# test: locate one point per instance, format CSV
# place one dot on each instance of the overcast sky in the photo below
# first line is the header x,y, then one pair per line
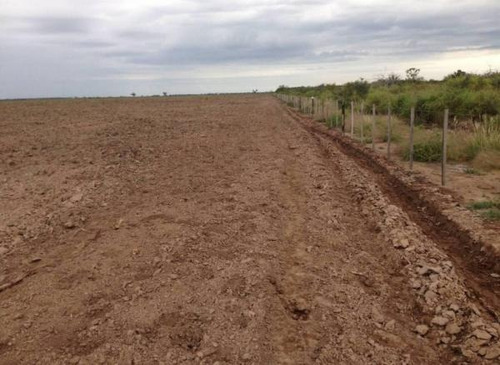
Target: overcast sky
x,y
115,47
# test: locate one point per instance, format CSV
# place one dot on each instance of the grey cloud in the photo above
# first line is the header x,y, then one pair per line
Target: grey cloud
x,y
249,33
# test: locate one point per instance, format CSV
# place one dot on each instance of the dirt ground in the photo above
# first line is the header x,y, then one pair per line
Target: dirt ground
x,y
468,187
223,230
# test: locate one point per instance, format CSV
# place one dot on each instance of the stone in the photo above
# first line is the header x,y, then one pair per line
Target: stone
x,y
492,331
76,198
445,340
69,225
440,321
482,335
492,353
416,284
377,316
430,295
449,314
454,307
401,243
453,329
389,326
422,329
427,270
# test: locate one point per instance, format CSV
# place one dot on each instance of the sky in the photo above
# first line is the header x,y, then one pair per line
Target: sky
x,y
57,48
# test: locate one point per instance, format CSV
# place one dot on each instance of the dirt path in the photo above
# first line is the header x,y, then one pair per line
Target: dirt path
x,y
218,230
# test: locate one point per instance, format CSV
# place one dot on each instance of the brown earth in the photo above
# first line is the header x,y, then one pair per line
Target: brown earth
x,y
228,230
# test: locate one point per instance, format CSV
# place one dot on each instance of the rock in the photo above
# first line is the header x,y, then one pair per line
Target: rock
x,y
492,331
445,340
174,276
246,356
69,225
482,351
453,329
377,316
76,198
477,324
389,326
118,223
440,321
449,314
35,259
422,329
416,284
475,309
454,307
401,243
492,353
430,296
482,335
427,270
494,275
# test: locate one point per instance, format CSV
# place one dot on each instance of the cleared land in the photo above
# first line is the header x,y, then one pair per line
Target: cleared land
x,y
227,230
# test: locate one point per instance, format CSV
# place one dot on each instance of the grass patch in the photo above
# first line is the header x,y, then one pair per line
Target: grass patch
x,y
472,171
485,204
487,209
491,214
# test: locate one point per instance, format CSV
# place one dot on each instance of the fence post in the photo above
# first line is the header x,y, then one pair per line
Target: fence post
x,y
389,133
412,124
337,113
373,126
443,161
352,119
362,121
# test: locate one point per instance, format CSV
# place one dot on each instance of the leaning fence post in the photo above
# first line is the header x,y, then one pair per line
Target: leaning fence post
x,y
352,119
389,133
373,126
443,160
412,124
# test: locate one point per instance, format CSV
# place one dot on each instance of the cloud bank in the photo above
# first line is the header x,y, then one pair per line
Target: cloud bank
x,y
55,48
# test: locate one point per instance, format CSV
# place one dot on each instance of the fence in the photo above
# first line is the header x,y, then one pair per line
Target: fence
x,y
333,113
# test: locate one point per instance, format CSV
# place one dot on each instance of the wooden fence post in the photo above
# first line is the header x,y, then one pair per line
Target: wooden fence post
x,y
443,160
389,133
337,113
361,114
373,126
412,125
352,119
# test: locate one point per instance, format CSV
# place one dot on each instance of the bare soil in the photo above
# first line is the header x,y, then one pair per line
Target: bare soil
x,y
468,187
228,230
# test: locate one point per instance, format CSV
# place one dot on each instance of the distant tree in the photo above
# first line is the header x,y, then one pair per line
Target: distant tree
x,y
255,91
165,93
412,74
458,73
389,79
281,88
133,94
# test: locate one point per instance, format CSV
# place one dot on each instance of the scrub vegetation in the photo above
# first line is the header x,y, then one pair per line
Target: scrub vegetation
x,y
472,99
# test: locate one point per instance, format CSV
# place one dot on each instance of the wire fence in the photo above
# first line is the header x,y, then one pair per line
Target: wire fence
x,y
336,114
